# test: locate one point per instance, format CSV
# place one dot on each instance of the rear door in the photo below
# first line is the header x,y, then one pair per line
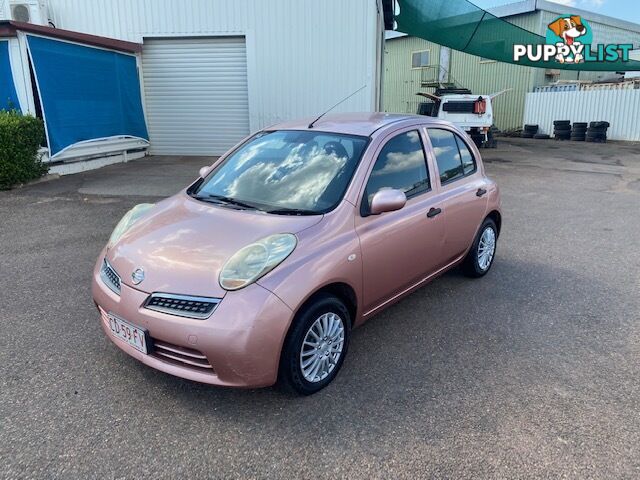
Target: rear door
x,y
463,188
399,248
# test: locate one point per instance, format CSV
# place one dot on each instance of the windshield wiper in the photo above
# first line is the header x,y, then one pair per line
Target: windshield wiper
x,y
292,211
221,199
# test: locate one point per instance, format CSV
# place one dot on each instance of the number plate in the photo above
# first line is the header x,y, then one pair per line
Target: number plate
x,y
134,336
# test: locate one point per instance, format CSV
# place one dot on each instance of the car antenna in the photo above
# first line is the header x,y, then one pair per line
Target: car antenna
x,y
340,102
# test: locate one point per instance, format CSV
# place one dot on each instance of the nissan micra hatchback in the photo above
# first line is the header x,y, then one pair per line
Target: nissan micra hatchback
x,y
259,270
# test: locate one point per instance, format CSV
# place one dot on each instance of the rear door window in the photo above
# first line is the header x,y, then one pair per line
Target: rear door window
x,y
453,157
468,162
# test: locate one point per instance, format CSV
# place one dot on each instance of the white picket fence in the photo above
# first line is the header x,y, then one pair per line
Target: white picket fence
x,y
621,108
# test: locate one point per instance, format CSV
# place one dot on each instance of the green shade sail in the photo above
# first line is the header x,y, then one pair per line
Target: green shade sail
x,y
461,25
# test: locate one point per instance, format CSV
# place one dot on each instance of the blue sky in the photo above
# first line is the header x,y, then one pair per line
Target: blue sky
x,y
625,9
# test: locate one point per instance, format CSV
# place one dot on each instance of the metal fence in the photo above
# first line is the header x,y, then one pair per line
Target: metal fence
x,y
570,87
611,86
618,107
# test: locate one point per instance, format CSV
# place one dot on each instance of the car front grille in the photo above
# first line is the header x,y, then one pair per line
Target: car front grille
x,y
181,356
110,277
182,305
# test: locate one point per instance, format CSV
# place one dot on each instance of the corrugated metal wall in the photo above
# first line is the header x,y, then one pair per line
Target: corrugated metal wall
x,y
401,82
302,55
618,107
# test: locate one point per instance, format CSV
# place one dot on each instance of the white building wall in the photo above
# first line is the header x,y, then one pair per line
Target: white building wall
x,y
618,107
303,56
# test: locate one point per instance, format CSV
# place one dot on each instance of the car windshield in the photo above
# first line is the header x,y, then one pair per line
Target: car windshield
x,y
286,172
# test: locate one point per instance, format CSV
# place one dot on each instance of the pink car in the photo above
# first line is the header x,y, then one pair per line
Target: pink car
x,y
259,271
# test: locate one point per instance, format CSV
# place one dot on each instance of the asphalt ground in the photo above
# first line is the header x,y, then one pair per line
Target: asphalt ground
x,y
532,371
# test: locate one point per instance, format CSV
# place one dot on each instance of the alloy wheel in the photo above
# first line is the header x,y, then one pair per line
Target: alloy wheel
x,y
486,248
322,347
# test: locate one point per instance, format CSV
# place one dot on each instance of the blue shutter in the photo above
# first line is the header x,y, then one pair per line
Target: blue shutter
x,y
8,95
87,93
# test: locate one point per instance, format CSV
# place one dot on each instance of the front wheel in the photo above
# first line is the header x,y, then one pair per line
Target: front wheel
x,y
480,258
316,346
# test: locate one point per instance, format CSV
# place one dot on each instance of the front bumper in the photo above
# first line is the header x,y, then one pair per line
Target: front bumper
x,y
241,340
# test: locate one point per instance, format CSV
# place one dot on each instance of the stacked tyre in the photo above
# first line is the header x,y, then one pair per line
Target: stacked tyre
x,y
529,131
597,132
562,129
579,132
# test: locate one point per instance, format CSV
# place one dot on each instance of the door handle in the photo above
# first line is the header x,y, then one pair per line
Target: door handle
x,y
434,212
481,192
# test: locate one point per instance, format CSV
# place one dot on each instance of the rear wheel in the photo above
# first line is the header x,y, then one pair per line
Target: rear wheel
x,y
315,348
480,258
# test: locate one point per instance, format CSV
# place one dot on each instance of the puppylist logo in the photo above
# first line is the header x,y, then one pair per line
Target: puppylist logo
x,y
570,40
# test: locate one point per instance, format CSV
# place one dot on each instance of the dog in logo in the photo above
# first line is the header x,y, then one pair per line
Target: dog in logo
x,y
569,29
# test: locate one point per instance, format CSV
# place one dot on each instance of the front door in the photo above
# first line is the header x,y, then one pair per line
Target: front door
x,y
399,248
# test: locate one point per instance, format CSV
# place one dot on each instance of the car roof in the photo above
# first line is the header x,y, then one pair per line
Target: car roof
x,y
363,124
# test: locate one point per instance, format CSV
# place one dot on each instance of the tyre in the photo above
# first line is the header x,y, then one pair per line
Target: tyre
x,y
598,135
581,125
478,140
578,139
316,345
491,140
480,258
561,123
562,128
531,128
541,136
599,125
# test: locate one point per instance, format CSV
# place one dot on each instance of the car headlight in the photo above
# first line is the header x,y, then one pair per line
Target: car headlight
x,y
131,217
256,260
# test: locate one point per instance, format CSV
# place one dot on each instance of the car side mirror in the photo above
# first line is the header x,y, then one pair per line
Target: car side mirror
x,y
387,201
204,170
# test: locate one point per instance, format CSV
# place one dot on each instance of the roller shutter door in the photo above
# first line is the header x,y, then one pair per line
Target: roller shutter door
x,y
195,94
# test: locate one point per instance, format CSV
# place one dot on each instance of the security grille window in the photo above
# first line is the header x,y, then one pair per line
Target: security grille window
x,y
453,157
420,59
401,165
459,107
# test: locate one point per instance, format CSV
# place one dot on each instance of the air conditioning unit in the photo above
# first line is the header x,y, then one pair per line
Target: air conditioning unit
x,y
29,11
551,72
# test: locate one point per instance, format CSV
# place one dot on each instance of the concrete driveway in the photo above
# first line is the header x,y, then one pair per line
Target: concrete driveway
x,y
532,371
